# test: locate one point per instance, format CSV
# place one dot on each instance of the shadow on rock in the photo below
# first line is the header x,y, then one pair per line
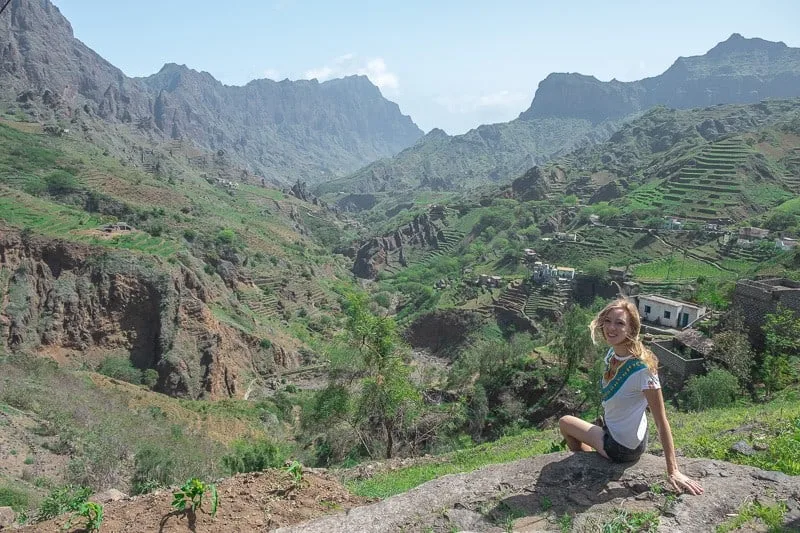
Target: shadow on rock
x,y
570,486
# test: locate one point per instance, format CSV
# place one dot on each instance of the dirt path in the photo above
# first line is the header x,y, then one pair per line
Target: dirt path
x,y
536,494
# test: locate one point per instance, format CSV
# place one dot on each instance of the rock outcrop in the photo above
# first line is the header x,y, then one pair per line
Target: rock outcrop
x,y
389,250
532,494
65,299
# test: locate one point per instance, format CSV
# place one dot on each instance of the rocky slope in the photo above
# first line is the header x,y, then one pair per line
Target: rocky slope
x,y
77,304
572,109
281,130
533,494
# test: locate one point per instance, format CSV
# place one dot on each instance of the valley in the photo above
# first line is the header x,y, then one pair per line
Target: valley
x,y
288,292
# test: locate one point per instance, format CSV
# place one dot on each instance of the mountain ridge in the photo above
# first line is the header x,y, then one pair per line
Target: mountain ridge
x,y
283,131
571,109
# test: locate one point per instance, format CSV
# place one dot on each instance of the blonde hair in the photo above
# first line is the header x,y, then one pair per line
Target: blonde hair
x,y
635,346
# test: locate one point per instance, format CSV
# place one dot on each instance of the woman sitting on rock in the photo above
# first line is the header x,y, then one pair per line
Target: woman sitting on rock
x,y
629,385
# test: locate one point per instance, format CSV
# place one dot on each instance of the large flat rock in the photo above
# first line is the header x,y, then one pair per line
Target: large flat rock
x,y
534,494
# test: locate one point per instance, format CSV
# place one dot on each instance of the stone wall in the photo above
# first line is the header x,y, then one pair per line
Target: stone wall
x,y
675,363
756,299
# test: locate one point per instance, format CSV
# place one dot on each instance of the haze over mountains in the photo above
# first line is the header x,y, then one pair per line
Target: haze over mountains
x,y
281,130
570,109
316,132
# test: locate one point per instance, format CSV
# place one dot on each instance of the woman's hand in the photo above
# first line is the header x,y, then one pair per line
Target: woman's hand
x,y
681,482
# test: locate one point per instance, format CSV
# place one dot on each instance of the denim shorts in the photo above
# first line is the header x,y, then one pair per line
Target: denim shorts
x,y
619,453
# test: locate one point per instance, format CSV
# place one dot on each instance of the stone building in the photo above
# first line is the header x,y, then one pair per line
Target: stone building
x,y
684,355
668,312
757,298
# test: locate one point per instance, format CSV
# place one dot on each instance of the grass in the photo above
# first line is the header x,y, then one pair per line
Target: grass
x,y
680,268
632,522
704,434
504,450
771,515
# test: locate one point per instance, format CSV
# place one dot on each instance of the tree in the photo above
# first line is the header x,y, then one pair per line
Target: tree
x,y
575,344
781,346
383,394
732,349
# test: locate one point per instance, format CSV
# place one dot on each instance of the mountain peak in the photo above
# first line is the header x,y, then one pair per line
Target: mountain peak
x,y
737,43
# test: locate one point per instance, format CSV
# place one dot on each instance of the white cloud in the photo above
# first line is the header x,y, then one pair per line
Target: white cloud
x,y
470,103
374,68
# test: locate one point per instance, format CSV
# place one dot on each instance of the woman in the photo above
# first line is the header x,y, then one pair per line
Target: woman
x,y
630,384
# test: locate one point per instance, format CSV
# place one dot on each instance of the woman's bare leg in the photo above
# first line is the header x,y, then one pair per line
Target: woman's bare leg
x,y
581,435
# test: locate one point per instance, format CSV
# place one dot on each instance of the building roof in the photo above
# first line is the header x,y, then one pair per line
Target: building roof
x,y
668,301
695,340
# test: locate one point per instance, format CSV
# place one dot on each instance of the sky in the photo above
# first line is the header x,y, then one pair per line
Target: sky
x,y
448,64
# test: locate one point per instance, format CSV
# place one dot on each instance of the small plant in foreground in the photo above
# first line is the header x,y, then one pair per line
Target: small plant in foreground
x,y
62,500
91,512
565,523
295,469
191,494
626,522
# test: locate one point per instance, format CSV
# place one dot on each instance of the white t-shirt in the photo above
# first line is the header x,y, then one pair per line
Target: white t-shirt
x,y
625,410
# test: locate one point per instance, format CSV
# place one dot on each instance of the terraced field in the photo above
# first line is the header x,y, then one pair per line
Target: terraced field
x,y
75,225
705,190
546,302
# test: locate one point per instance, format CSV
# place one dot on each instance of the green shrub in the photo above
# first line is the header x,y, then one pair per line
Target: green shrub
x,y
153,468
60,182
120,368
718,388
226,236
14,498
150,377
62,500
253,456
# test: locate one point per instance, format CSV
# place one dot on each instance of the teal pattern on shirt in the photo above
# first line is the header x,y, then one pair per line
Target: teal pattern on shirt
x,y
628,368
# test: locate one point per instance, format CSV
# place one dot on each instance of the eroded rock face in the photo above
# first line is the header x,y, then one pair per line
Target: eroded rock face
x,y
531,494
63,299
380,252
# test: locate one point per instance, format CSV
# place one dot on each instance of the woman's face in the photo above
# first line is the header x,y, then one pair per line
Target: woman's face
x,y
616,327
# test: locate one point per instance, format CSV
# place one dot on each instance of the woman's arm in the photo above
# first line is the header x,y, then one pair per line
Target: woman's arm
x,y
678,480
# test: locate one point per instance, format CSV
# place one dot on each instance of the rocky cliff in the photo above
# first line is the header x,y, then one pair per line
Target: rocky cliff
x,y
738,70
78,304
391,251
282,130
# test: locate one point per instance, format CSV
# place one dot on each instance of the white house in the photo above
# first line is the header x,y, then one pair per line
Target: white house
x,y
668,312
786,243
565,273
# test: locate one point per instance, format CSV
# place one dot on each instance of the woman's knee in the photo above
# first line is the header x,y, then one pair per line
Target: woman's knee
x,y
565,423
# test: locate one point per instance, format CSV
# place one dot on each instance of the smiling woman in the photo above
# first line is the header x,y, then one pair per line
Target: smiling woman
x,y
629,386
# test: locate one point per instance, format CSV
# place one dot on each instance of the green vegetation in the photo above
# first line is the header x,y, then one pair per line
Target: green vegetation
x,y
62,500
90,513
771,515
295,469
632,522
17,499
253,455
190,496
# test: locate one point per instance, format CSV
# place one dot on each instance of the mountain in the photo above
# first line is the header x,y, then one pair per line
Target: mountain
x,y
572,109
282,130
737,70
